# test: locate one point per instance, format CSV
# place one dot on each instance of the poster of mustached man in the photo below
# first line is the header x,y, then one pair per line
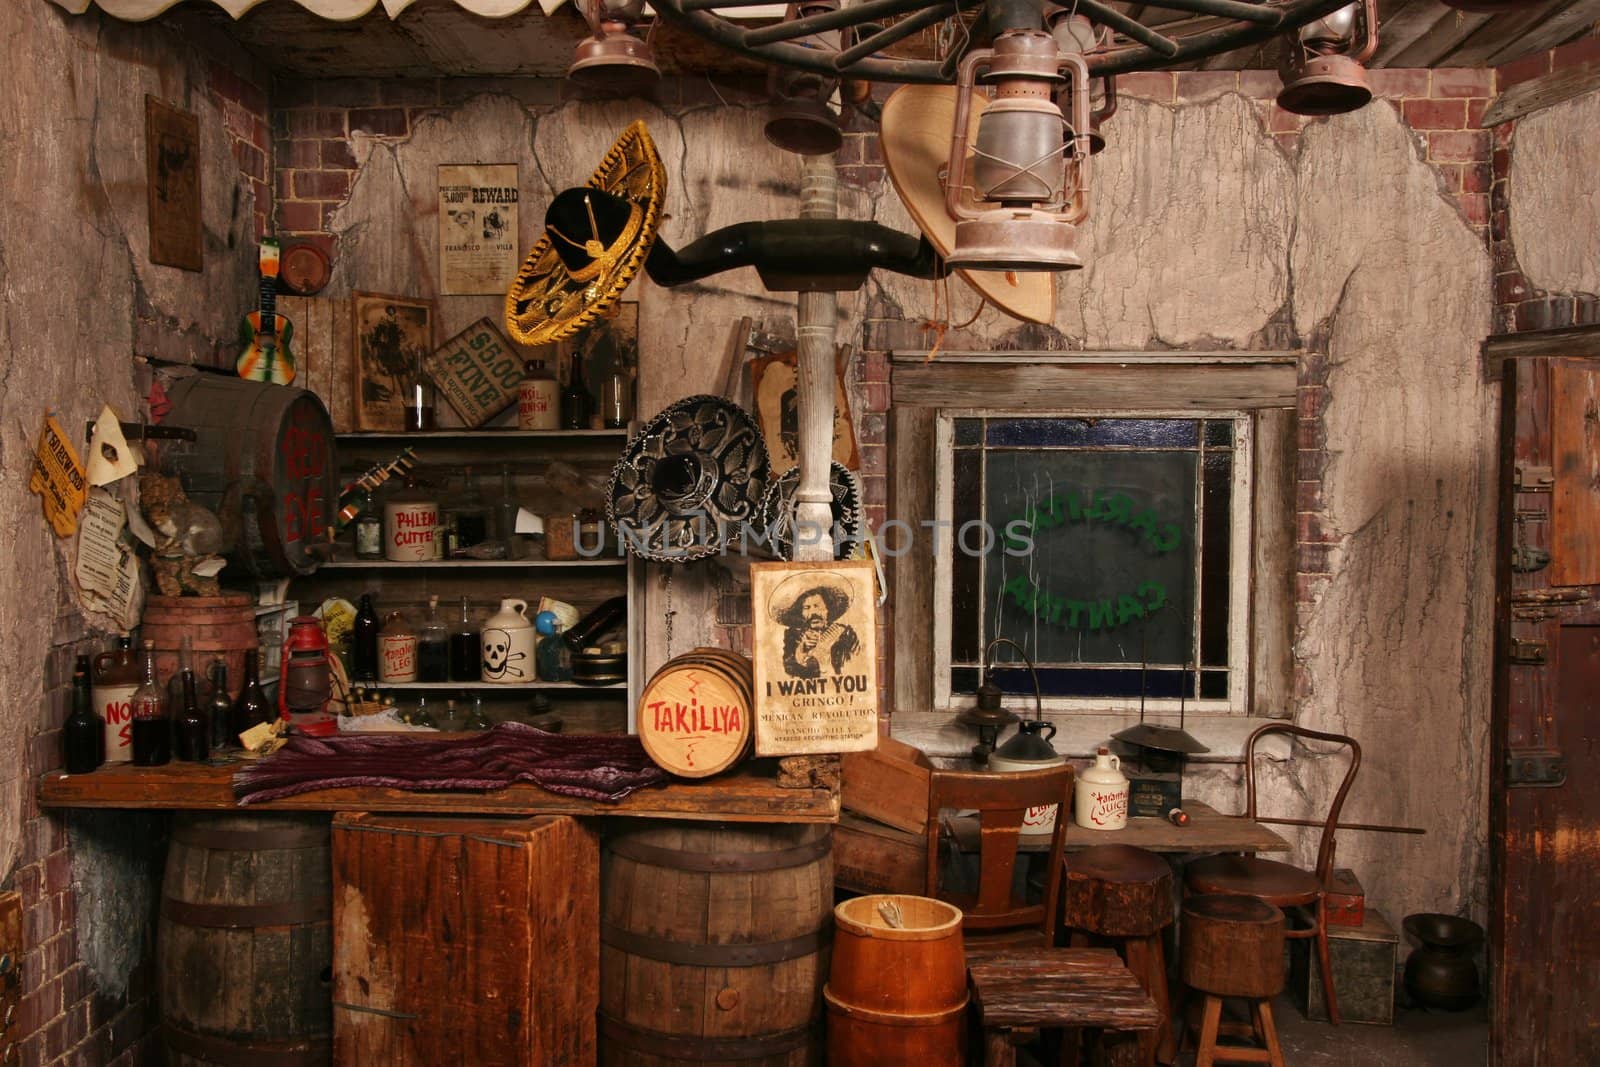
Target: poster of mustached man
x,y
816,657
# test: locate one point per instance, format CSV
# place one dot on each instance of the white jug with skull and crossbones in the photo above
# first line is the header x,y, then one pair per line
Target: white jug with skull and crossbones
x,y
507,642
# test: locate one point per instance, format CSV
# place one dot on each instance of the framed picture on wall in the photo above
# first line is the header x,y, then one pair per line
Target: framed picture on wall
x,y
391,336
773,382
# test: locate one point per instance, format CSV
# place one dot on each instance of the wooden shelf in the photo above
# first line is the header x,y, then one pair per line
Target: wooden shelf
x,y
495,687
749,793
468,564
448,436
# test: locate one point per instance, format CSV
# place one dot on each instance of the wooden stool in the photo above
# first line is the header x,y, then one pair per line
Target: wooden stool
x,y
1124,894
1020,992
1233,947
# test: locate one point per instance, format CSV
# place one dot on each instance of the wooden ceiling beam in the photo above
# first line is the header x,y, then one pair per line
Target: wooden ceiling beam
x,y
1403,27
1445,37
1558,29
1474,51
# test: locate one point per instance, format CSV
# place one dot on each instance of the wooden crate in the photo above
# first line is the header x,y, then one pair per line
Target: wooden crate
x,y
321,349
1363,960
465,940
869,857
888,784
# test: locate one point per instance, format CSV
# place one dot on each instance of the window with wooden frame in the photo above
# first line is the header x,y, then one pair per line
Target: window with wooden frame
x,y
1114,548
1153,482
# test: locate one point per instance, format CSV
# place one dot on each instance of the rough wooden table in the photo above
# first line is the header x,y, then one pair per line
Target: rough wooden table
x,y
750,793
1208,831
1025,990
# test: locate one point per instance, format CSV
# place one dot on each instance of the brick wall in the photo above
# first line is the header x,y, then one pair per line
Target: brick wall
x,y
1519,306
244,115
65,1019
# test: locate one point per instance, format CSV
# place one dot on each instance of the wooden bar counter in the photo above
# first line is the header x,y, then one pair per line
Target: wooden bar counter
x,y
748,794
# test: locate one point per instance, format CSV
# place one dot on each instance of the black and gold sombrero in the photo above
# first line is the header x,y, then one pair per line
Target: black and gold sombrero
x,y
592,246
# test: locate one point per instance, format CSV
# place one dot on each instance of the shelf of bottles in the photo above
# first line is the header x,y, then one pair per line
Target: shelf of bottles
x,y
470,564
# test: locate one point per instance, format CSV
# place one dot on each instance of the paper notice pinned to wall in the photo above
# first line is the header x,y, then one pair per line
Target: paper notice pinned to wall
x,y
107,570
477,228
58,478
110,458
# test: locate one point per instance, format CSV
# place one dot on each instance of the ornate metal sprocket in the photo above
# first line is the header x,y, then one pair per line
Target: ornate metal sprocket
x,y
1216,26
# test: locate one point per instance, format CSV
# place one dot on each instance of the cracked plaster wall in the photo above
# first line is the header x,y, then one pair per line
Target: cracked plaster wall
x,y
1204,232
78,299
1554,200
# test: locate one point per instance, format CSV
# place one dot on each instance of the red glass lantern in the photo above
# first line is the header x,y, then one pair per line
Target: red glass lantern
x,y
305,679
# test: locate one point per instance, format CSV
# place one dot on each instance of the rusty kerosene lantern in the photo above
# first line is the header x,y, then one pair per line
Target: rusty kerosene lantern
x,y
1029,169
1155,777
1323,68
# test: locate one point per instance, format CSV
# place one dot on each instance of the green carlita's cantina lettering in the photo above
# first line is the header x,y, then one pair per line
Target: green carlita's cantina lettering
x,y
1113,509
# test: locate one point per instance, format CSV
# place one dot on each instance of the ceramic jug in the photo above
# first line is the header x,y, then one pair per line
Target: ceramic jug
x,y
507,643
1100,800
1030,750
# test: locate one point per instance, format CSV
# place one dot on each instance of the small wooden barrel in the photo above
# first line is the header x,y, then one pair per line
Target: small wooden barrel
x,y
263,461
897,995
215,625
244,947
1232,946
694,714
713,943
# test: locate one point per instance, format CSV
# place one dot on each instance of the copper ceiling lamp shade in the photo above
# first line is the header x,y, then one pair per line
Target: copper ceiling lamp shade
x,y
1323,68
799,119
612,60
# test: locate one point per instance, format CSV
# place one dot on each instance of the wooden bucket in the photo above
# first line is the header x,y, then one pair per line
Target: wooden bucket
x,y
263,461
897,995
695,713
215,625
244,947
713,943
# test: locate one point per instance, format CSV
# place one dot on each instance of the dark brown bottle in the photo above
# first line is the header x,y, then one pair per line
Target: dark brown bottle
x,y
251,709
219,709
191,734
364,642
83,735
575,402
466,654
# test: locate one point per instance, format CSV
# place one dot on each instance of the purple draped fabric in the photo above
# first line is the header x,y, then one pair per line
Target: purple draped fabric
x,y
594,767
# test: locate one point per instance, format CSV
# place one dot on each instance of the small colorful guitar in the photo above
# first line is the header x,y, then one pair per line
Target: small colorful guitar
x,y
264,334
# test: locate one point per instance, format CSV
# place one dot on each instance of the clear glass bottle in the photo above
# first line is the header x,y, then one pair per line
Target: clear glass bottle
x,y
433,646
466,658
553,657
422,716
152,723
191,732
83,735
616,390
477,718
452,719
470,512
506,507
420,411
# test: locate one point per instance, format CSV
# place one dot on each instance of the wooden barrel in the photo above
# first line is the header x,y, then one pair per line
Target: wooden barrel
x,y
897,994
713,943
215,625
694,715
264,462
244,948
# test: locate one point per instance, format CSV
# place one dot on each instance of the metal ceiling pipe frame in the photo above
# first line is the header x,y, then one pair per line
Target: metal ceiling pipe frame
x,y
817,329
1121,60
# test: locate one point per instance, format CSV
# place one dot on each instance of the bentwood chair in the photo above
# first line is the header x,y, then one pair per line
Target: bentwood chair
x,y
1281,884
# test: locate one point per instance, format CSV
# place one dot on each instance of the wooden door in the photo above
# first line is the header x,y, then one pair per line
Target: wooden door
x,y
1545,765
